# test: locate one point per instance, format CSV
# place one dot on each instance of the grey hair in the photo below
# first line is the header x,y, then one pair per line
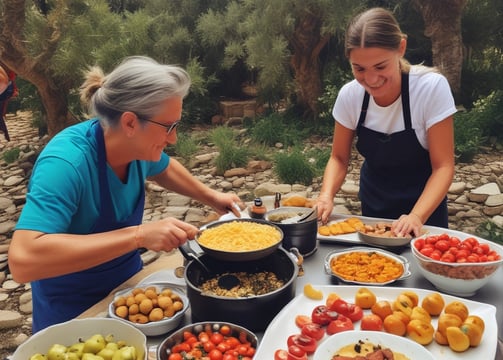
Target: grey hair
x,y
138,84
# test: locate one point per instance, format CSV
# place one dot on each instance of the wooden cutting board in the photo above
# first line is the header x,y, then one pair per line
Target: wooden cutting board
x,y
166,261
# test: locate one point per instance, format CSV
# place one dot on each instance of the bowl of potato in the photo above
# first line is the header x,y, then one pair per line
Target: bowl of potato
x,y
103,337
154,308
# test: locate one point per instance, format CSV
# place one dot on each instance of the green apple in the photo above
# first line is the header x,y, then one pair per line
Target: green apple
x,y
107,353
125,353
94,344
56,352
77,348
90,356
38,356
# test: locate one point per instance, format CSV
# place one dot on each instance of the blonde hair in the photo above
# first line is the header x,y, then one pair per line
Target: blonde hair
x,y
138,84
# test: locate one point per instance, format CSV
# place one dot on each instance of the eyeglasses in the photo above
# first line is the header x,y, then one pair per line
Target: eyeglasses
x,y
169,128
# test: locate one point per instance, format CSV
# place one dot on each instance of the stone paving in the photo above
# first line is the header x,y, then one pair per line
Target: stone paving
x,y
474,197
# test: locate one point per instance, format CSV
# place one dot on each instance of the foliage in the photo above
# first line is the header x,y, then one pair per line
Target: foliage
x,y
275,128
490,231
474,127
11,155
231,153
294,168
185,147
320,158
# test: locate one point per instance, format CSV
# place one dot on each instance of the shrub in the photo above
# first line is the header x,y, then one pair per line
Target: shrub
x,y
231,154
294,168
490,231
185,147
272,129
11,155
467,136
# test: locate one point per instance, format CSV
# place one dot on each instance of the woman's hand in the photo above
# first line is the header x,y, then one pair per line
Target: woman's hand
x,y
164,235
225,202
325,205
406,225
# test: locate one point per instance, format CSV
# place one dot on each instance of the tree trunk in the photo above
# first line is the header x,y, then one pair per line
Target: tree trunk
x,y
34,69
307,44
442,21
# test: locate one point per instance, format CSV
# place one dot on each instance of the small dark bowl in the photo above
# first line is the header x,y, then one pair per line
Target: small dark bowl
x,y
164,347
302,235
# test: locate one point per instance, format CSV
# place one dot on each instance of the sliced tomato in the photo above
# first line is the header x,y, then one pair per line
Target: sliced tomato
x,y
313,330
342,323
322,315
352,311
296,353
371,322
281,354
306,343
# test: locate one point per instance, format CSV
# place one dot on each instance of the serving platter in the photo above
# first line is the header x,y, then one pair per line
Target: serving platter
x,y
283,325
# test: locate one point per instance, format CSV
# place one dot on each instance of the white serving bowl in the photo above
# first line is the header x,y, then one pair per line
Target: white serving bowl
x,y
402,261
72,331
411,349
460,279
160,327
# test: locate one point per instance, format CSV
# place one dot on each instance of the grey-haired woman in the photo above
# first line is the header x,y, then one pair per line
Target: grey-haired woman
x,y
79,233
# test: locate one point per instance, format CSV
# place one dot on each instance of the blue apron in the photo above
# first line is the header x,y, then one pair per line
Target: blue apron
x,y
62,298
396,168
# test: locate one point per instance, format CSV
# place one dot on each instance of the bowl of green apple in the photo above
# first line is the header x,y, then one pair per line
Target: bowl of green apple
x,y
85,339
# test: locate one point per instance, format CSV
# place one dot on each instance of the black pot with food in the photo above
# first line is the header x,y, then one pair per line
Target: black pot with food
x,y
298,231
263,288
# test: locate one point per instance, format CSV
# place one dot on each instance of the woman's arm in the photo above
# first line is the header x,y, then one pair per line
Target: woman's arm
x,y
178,179
441,148
335,171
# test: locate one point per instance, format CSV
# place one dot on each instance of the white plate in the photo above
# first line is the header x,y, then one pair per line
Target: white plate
x,y
283,325
397,344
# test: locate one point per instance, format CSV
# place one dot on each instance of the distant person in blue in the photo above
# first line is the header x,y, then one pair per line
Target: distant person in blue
x,y
79,232
402,117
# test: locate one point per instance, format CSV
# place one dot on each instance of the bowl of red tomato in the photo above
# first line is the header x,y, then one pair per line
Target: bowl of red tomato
x,y
208,340
457,264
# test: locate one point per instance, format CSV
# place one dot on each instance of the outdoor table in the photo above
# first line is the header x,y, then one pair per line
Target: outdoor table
x,y
314,273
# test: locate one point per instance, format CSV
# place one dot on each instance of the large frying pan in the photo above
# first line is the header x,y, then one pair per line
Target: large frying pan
x,y
241,255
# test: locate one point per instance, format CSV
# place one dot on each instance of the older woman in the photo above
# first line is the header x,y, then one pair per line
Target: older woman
x,y
78,234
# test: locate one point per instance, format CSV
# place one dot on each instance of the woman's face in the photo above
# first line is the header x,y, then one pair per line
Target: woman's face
x,y
378,71
156,136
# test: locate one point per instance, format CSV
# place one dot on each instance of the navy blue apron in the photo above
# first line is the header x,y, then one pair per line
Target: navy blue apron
x,y
396,168
62,298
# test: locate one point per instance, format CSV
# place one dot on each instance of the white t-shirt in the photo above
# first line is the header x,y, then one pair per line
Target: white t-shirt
x,y
431,101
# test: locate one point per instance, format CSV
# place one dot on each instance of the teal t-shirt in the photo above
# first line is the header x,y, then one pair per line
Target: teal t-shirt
x,y
63,192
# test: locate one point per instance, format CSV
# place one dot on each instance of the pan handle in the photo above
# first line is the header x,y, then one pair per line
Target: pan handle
x,y
189,254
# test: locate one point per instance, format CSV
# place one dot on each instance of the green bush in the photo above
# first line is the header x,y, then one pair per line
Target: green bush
x,y
11,155
231,153
185,147
467,137
294,168
273,129
490,231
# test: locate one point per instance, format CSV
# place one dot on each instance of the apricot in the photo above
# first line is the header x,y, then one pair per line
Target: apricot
x,y
420,331
146,306
404,304
474,333
477,320
120,301
420,313
412,296
382,308
393,324
457,308
402,316
365,298
447,320
177,305
122,311
440,338
156,314
457,339
433,303
164,302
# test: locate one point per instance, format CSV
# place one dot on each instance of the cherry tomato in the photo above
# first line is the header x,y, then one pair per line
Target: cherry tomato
x,y
216,338
442,245
313,330
419,244
225,330
320,315
342,323
352,311
301,320
306,343
426,251
229,357
281,354
175,357
296,353
371,322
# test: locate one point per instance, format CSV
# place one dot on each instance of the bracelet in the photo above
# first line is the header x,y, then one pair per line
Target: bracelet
x,y
138,236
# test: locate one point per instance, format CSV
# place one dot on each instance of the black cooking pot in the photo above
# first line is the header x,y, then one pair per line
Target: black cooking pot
x,y
301,235
254,313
